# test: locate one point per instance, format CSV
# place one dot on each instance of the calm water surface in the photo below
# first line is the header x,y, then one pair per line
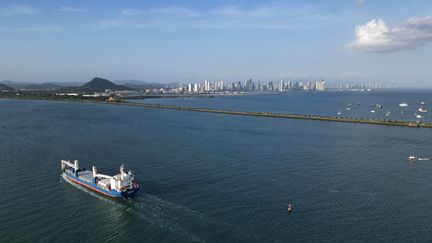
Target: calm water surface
x,y
210,177
360,104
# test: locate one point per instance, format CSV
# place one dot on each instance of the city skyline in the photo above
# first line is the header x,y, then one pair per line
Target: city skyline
x,y
165,41
249,86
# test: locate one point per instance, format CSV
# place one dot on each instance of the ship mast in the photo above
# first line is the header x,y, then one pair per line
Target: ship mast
x,y
122,172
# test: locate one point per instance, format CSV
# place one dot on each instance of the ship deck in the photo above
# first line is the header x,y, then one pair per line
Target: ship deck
x,y
105,182
86,175
103,185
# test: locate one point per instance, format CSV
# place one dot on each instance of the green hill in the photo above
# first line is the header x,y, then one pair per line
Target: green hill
x,y
95,85
42,86
4,87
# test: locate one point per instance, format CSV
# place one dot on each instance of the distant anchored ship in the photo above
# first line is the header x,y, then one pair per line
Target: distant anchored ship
x,y
418,116
122,185
422,110
415,158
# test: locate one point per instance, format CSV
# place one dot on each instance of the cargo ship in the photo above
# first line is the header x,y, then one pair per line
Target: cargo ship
x,y
122,185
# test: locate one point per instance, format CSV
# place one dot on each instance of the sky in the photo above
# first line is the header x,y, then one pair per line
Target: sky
x,y
188,41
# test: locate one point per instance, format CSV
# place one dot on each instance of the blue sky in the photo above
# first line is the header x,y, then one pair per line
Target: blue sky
x,y
169,41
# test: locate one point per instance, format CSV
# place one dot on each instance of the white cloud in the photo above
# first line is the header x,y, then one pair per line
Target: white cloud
x,y
376,36
360,2
108,24
263,11
166,11
131,12
266,16
175,11
72,9
18,10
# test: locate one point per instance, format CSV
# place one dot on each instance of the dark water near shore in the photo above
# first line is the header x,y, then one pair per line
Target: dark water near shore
x,y
210,177
320,103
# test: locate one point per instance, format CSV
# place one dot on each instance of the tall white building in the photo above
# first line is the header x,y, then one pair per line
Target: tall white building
x,y
320,86
220,86
206,86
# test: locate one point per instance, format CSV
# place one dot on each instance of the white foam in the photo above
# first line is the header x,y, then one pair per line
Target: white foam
x,y
152,211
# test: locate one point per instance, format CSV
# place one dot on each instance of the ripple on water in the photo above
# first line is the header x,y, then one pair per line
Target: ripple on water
x,y
203,181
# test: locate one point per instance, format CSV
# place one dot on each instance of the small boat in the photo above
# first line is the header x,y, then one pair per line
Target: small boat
x,y
339,112
379,106
412,158
403,104
348,108
418,116
387,113
372,111
421,109
289,208
423,158
422,103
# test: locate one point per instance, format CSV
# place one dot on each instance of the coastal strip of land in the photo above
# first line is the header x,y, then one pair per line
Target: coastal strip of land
x,y
100,100
281,115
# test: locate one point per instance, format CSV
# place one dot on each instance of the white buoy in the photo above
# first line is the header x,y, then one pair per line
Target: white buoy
x,y
289,208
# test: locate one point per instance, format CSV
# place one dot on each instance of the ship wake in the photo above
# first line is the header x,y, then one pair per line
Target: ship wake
x,y
176,219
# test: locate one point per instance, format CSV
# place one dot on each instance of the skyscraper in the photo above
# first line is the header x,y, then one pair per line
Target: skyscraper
x,y
249,85
206,86
320,86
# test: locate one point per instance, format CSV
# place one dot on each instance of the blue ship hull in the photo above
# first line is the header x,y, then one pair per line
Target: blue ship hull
x,y
129,193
